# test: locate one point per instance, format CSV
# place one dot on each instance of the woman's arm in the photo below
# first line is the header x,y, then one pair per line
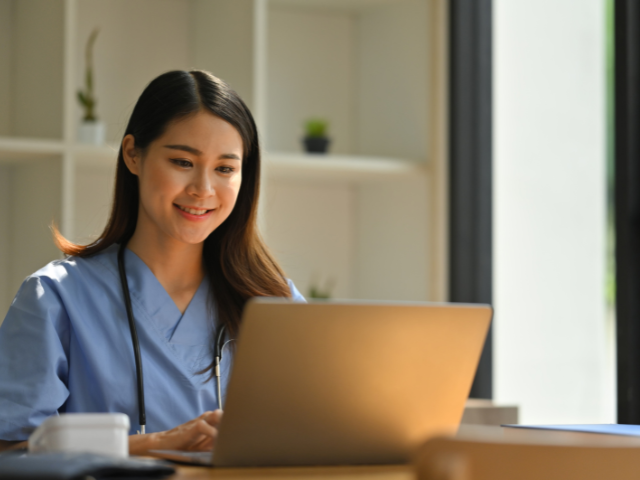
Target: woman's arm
x,y
34,344
197,435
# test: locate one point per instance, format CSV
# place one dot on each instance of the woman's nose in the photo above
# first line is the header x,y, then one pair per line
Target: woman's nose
x,y
202,186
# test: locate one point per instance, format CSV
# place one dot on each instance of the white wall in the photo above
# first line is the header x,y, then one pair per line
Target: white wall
x,y
36,68
311,230
222,42
5,239
6,15
393,83
549,206
94,185
392,261
310,74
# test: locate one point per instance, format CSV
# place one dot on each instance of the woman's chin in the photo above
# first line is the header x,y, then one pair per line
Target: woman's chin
x,y
194,238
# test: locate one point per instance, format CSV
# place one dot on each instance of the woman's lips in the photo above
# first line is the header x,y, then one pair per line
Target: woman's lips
x,y
193,216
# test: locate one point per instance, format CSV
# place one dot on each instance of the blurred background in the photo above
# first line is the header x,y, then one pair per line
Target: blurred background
x,y
470,156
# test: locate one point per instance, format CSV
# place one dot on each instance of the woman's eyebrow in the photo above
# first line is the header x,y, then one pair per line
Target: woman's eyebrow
x,y
195,151
184,148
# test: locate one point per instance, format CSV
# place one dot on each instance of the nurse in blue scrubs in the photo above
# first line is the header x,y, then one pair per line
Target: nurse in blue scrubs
x,y
184,211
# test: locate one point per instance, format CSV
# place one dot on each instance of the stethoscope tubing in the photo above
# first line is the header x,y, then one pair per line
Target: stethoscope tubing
x,y
142,414
218,357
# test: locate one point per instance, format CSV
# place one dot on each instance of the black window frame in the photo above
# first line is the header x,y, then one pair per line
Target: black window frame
x,y
470,166
627,206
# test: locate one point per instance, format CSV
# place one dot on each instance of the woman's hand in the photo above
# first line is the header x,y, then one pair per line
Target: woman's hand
x,y
197,435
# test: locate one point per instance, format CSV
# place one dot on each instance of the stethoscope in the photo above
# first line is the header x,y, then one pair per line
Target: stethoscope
x,y
136,345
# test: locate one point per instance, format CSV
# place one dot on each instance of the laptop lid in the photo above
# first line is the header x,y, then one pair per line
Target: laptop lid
x,y
347,382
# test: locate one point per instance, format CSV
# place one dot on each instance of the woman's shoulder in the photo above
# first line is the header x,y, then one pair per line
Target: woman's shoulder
x,y
51,289
74,269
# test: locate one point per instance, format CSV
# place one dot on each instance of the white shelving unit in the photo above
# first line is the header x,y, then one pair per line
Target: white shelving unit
x,y
355,169
322,168
15,149
369,215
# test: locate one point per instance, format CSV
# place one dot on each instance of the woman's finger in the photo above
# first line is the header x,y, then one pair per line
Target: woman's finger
x,y
203,432
212,417
203,444
203,427
202,437
199,432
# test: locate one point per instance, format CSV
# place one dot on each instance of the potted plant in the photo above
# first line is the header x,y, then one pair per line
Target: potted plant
x,y
316,140
90,130
318,293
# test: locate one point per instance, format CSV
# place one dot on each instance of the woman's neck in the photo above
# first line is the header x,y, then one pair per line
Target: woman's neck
x,y
177,266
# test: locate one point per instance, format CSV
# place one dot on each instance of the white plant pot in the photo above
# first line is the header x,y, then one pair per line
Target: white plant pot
x,y
92,133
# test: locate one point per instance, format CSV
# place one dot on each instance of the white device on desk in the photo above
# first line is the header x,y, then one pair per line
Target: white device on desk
x,y
105,433
345,383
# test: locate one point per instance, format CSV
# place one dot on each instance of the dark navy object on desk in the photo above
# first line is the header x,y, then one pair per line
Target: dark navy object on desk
x,y
601,428
71,466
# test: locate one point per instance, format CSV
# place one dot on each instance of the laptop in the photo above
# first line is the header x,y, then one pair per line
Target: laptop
x,y
335,383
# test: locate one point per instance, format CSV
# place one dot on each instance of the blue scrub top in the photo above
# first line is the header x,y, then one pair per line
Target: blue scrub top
x,y
65,346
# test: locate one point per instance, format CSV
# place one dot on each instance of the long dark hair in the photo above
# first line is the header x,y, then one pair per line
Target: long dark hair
x,y
236,260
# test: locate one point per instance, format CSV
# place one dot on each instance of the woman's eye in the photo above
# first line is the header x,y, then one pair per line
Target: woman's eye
x,y
181,162
226,169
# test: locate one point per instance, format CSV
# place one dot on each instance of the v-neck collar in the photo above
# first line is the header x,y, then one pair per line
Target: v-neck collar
x,y
196,325
190,328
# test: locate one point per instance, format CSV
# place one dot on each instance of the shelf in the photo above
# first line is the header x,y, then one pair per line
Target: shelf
x,y
344,168
351,6
19,149
277,166
332,215
95,155
16,149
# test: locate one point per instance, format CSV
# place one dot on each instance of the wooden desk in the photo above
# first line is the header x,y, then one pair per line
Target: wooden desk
x,y
406,472
401,472
382,472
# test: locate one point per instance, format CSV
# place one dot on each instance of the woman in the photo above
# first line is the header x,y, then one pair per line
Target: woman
x,y
184,223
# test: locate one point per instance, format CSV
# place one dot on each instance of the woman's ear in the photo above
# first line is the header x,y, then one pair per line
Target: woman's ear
x,y
131,154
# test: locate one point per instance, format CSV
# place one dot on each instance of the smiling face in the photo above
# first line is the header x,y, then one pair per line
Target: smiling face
x,y
189,178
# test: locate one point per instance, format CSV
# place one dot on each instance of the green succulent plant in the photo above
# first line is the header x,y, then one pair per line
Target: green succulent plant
x,y
319,293
86,97
316,127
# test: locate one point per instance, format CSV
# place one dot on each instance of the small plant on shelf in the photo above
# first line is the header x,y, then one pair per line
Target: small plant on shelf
x,y
90,129
86,97
318,293
316,127
316,140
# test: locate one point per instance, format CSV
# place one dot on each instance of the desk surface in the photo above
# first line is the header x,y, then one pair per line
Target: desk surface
x,y
380,472
401,472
